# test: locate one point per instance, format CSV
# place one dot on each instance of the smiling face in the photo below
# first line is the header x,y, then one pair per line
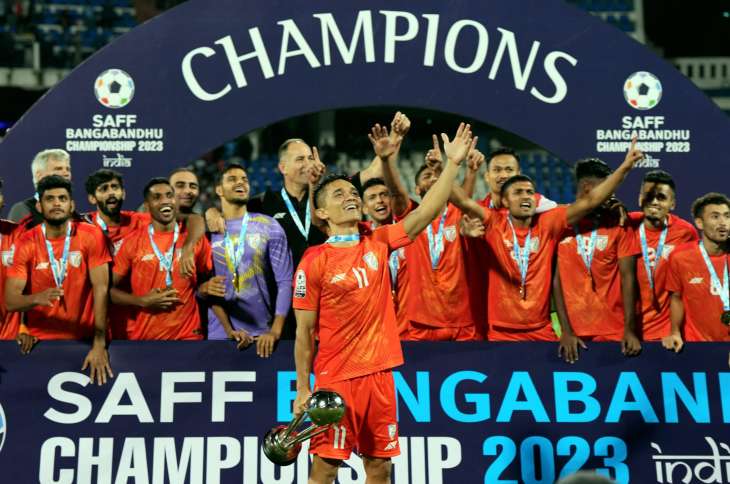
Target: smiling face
x,y
161,203
520,199
109,197
341,203
295,162
56,206
656,201
234,187
714,222
187,189
376,204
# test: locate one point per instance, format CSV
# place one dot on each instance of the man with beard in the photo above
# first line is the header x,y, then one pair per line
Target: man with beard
x,y
163,299
595,296
659,233
522,245
342,295
9,322
187,189
60,278
697,279
251,256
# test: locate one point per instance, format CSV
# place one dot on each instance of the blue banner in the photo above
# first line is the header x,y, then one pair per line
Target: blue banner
x,y
206,72
468,412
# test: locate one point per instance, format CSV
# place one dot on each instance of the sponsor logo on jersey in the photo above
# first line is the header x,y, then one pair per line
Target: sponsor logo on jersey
x,y
147,257
41,266
279,215
696,280
300,286
338,278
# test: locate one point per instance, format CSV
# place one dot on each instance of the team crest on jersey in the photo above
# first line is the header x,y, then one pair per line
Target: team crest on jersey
x,y
7,256
602,242
74,258
666,251
371,261
255,241
392,430
450,233
300,284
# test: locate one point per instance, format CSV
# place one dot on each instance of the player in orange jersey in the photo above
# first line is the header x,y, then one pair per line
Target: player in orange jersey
x,y
522,245
596,278
659,233
697,279
342,293
60,277
163,298
9,322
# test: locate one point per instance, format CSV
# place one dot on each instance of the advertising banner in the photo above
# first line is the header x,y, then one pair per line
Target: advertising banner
x,y
467,412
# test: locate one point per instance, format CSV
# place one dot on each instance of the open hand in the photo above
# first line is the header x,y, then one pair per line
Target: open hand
x,y
383,145
463,142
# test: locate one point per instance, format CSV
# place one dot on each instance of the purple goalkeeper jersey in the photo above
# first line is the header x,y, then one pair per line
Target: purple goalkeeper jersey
x,y
265,270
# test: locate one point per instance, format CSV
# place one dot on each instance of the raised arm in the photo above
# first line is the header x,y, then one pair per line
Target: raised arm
x,y
303,355
466,204
438,195
585,205
386,148
474,160
315,173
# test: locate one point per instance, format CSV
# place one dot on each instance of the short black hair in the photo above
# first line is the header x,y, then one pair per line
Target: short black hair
x,y
158,180
712,198
502,151
591,168
182,169
373,182
660,177
50,182
99,177
423,168
514,179
319,191
226,169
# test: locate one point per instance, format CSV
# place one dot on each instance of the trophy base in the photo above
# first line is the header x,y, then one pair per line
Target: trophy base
x,y
276,451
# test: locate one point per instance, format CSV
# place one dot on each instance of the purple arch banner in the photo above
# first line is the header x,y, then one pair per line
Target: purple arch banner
x,y
206,72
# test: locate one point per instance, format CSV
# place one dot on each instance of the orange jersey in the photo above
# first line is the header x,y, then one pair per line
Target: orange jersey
x,y
129,222
440,295
653,318
687,275
350,289
71,317
507,308
9,322
137,260
594,301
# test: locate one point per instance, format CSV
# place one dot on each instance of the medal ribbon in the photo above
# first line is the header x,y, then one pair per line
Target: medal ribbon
x,y
522,254
645,253
304,229
235,254
100,222
586,254
723,289
344,238
167,259
436,247
58,269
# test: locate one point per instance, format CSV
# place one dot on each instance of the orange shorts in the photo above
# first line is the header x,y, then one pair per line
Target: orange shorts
x,y
424,332
545,333
369,426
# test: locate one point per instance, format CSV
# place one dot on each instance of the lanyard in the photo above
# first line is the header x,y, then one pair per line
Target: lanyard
x,y
586,254
393,262
100,222
235,254
723,289
167,259
344,238
304,229
436,247
58,269
657,256
522,255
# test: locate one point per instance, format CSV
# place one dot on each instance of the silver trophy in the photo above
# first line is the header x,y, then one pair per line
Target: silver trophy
x,y
283,443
